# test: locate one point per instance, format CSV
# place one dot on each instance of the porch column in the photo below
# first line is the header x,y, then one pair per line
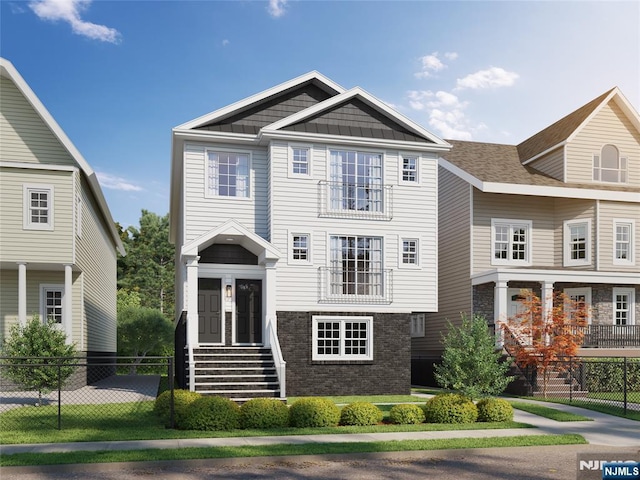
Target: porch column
x,y
270,324
67,318
22,293
192,300
500,309
546,302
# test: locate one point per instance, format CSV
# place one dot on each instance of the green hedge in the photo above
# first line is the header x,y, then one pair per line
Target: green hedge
x,y
360,414
494,410
182,400
607,375
406,414
264,413
213,413
314,412
450,408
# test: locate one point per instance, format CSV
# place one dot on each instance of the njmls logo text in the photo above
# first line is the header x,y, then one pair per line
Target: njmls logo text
x,y
599,464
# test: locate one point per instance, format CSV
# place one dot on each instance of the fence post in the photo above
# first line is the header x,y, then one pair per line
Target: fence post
x,y
624,376
59,395
570,379
171,388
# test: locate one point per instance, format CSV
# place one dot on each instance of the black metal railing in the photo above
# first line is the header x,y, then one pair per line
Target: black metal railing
x,y
610,336
181,354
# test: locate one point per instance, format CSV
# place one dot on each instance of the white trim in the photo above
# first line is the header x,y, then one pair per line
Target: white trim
x,y
546,152
39,166
341,357
631,292
27,189
53,287
586,291
632,241
511,223
401,263
300,146
418,170
292,261
567,261
555,276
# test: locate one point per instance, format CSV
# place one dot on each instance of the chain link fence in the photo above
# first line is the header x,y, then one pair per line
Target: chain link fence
x,y
58,393
613,381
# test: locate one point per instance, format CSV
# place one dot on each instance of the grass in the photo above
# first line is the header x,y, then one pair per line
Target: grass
x,y
343,400
616,396
596,407
284,449
552,413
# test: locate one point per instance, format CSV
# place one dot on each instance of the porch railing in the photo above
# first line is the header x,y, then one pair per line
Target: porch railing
x,y
611,336
339,285
353,200
279,362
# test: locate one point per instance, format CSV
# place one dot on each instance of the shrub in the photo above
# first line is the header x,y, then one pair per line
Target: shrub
x,y
264,413
213,413
450,408
607,375
314,412
494,410
182,400
361,414
406,414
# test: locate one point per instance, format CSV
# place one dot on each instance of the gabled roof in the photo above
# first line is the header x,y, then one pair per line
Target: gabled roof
x,y
7,70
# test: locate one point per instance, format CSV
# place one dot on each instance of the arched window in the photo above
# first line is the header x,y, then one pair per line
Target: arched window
x,y
609,166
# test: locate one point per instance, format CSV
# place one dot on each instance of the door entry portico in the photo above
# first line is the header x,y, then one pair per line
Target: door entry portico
x,y
248,311
209,311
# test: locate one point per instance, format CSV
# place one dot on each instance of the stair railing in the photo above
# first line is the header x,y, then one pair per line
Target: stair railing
x,y
279,362
512,339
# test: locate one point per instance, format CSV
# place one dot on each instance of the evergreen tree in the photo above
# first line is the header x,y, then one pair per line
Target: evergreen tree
x,y
470,362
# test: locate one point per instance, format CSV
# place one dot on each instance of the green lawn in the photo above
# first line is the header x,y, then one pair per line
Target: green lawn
x,y
552,413
284,449
343,400
632,397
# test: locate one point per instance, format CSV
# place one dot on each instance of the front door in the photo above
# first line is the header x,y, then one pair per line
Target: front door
x,y
248,311
209,318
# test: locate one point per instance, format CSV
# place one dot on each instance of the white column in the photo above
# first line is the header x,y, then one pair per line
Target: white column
x,y
22,293
500,309
270,323
67,309
192,300
546,301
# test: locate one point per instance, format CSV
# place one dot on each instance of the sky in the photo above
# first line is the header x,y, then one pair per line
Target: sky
x,y
119,75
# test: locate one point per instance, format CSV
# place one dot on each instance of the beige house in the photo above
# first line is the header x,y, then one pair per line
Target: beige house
x,y
558,212
58,242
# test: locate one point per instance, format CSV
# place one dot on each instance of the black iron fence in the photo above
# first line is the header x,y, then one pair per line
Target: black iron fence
x,y
613,381
610,336
48,392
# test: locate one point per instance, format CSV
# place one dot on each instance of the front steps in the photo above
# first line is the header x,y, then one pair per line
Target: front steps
x,y
238,373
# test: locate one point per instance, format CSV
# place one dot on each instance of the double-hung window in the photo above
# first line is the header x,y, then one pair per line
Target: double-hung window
x,y
227,174
356,267
623,306
409,172
342,338
356,181
511,242
300,160
609,166
300,248
38,207
409,252
577,242
623,251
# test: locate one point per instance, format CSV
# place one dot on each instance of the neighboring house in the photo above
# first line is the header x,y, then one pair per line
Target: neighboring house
x,y
58,242
560,212
305,223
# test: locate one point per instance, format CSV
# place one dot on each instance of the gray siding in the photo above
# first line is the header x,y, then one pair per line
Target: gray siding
x,y
608,213
552,164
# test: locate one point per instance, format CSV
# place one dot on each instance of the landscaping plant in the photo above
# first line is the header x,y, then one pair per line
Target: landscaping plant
x,y
450,408
361,414
264,413
182,400
314,412
406,414
212,413
494,410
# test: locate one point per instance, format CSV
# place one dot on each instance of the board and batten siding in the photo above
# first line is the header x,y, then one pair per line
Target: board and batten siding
x,y
609,126
97,259
539,210
608,213
203,214
36,246
567,209
552,164
25,136
295,209
454,283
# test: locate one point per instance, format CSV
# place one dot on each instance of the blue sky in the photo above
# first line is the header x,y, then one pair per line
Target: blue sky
x,y
119,75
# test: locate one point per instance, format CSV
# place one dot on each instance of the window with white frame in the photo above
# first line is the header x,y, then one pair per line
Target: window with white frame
x,y
356,266
300,157
609,166
227,174
417,325
409,173
409,252
623,306
300,248
51,298
342,338
511,242
38,207
623,251
579,301
577,242
356,181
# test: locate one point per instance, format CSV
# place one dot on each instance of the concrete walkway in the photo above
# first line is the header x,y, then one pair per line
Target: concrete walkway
x,y
604,430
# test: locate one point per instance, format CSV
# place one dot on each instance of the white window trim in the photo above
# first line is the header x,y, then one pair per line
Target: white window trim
x,y
586,291
294,261
206,175
632,239
567,261
529,248
632,304
401,158
401,263
417,325
45,287
342,319
302,146
26,200
621,170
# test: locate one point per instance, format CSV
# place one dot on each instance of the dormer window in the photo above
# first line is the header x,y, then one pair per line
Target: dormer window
x,y
609,166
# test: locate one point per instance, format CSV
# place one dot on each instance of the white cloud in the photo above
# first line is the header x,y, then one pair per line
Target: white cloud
x,y
276,8
493,77
113,182
451,55
225,42
430,65
69,11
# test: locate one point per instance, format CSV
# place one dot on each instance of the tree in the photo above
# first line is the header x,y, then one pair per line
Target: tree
x,y
470,362
148,267
127,299
38,357
545,339
143,331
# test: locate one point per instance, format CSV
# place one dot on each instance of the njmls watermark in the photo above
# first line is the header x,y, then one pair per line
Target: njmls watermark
x,y
622,465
